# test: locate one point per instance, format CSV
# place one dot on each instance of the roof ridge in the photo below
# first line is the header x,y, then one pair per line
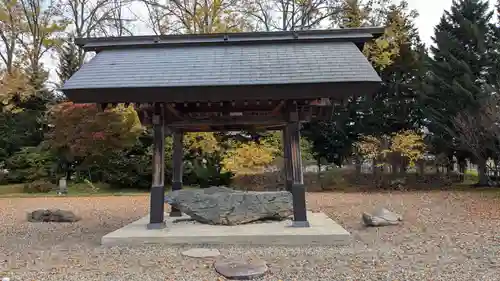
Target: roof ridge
x,y
355,35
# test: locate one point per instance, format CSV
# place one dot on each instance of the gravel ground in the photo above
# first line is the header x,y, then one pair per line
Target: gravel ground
x,y
445,236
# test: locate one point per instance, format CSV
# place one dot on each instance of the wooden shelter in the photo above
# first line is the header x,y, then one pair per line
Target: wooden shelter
x,y
225,82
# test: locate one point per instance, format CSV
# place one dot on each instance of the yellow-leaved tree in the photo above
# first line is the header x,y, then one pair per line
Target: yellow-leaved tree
x,y
369,147
249,158
408,144
200,143
401,149
14,88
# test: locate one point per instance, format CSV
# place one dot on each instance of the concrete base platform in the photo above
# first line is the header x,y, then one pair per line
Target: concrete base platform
x,y
323,231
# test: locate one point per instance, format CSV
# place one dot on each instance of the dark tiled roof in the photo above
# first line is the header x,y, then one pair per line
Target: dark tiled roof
x,y
226,65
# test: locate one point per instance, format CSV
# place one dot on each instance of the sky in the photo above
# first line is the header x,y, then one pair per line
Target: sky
x,y
430,12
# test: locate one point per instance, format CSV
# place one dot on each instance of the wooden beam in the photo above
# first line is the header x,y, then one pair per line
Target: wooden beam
x,y
295,162
157,197
177,161
298,189
208,128
287,159
231,106
174,112
246,121
223,93
278,108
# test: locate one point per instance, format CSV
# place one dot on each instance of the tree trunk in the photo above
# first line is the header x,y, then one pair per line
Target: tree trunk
x,y
68,171
449,164
403,169
394,167
482,171
496,168
462,165
403,165
421,168
358,162
318,162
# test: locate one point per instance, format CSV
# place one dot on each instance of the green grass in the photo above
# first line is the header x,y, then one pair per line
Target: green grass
x,y
74,190
11,188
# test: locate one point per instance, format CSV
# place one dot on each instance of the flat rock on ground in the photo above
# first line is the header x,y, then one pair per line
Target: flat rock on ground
x,y
224,206
52,215
381,217
241,269
201,253
446,235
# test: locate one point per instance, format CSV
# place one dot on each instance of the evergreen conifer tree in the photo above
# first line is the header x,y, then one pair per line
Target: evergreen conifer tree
x,y
458,71
68,61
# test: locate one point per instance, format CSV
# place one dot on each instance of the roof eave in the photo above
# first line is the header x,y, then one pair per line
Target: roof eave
x,y
334,90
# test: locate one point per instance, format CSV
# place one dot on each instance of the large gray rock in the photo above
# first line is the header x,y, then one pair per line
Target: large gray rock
x,y
52,215
225,206
381,217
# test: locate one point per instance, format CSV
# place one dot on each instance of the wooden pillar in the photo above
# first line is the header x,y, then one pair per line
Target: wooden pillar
x,y
287,159
298,188
177,155
157,196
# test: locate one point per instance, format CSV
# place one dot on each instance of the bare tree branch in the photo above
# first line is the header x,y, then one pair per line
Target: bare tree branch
x,y
11,27
291,14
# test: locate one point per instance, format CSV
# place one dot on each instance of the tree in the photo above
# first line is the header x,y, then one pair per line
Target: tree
x,y
84,135
398,57
370,147
362,13
88,18
17,130
11,27
494,51
409,145
201,143
196,16
400,149
118,25
458,70
394,107
14,85
204,153
249,158
30,164
23,119
69,61
14,88
285,15
42,27
478,133
157,19
331,141
356,13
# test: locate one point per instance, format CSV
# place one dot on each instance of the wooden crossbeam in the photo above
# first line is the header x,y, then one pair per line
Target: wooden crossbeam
x,y
174,112
278,108
246,121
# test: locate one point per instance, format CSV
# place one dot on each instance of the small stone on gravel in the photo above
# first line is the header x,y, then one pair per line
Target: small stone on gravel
x,y
201,253
381,217
241,269
52,215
